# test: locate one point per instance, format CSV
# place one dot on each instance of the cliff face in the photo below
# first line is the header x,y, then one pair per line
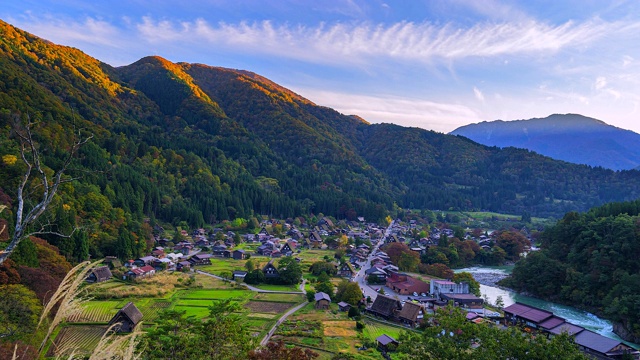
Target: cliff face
x,y
622,329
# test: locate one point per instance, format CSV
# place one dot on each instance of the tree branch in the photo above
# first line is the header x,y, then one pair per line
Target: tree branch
x,y
31,158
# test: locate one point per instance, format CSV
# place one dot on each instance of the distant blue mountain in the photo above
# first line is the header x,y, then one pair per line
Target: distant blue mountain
x,y
571,137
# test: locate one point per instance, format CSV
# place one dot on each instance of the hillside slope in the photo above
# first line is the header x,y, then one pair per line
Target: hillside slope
x,y
191,144
571,137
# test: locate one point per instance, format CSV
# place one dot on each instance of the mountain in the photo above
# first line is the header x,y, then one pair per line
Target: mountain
x,y
571,137
190,144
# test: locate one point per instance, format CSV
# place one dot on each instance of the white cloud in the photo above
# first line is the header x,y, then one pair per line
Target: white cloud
x,y
601,83
424,42
425,114
478,94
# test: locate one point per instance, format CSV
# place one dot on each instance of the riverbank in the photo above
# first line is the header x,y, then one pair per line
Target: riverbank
x,y
489,276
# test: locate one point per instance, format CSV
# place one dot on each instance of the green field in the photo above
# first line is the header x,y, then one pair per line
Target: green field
x,y
214,294
272,287
373,329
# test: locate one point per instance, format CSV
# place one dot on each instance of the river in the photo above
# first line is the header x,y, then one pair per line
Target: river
x,y
487,277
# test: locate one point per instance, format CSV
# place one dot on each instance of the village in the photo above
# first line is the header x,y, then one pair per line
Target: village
x,y
405,300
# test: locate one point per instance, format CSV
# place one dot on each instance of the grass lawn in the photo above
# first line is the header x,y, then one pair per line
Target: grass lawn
x,y
278,287
220,265
215,294
373,329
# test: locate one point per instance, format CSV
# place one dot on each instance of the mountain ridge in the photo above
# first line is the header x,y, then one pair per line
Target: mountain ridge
x,y
197,144
570,137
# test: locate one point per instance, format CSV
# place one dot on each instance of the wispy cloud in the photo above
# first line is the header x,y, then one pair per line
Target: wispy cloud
x,y
403,40
479,95
438,116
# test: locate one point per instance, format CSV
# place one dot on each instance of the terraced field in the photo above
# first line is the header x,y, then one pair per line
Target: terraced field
x,y
79,339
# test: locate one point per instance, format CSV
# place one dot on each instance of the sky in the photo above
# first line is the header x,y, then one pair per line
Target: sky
x,y
431,64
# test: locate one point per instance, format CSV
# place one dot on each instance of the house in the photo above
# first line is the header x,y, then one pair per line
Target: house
x,y
239,254
99,274
343,306
286,249
602,347
126,318
463,300
530,316
270,271
218,250
386,342
374,273
449,287
323,300
325,221
146,260
158,253
385,307
411,314
346,270
405,285
200,259
239,275
183,265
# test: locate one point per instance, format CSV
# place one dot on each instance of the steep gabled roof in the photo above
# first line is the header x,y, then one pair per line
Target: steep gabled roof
x,y
410,311
385,305
322,296
102,273
130,311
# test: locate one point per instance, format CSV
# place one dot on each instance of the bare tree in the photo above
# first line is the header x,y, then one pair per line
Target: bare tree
x,y
49,186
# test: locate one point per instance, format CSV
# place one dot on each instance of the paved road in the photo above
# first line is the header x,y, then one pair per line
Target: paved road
x,y
368,290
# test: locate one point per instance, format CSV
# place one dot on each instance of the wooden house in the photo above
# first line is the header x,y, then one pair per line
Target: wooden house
x,y
346,270
270,271
385,307
239,254
200,259
126,318
411,314
343,306
386,343
323,300
99,274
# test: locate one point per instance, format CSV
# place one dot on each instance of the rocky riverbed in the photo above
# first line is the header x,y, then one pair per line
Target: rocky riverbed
x,y
489,278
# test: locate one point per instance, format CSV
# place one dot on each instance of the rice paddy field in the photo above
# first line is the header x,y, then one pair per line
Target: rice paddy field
x,y
85,329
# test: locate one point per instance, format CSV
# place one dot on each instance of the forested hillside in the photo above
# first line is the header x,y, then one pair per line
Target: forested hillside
x,y
590,260
177,142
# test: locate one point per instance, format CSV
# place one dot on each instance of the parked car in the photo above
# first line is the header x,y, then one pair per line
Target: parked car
x,y
415,294
423,294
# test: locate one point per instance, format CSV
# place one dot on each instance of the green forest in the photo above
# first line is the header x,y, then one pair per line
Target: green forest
x,y
589,260
180,143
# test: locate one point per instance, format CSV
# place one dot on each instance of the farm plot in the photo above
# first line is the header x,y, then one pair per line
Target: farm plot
x,y
340,328
96,312
267,306
78,339
374,329
152,309
275,297
215,294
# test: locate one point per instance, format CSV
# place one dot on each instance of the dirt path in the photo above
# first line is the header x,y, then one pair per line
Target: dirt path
x,y
280,321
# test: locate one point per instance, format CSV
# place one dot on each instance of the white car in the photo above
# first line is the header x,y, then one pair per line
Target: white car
x,y
415,294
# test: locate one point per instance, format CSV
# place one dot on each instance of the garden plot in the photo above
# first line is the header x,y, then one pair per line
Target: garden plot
x,y
267,306
79,339
96,312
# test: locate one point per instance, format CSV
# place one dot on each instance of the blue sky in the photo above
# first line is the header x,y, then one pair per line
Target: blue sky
x,y
430,64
